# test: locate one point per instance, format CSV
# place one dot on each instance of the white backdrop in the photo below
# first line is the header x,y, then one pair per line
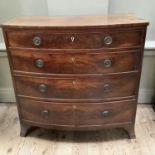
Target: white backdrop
x,y
143,8
13,8
77,7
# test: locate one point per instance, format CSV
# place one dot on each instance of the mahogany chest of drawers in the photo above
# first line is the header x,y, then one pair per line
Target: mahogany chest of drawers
x,y
76,73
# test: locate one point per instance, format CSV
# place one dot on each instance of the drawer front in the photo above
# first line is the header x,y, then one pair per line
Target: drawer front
x,y
78,88
74,40
78,114
88,63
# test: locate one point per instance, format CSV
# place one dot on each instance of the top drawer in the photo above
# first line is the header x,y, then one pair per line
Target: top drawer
x,y
74,40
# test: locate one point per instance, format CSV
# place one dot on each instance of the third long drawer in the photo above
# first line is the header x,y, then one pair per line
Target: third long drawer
x,y
84,87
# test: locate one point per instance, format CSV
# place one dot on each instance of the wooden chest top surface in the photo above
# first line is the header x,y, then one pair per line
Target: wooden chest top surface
x,y
76,21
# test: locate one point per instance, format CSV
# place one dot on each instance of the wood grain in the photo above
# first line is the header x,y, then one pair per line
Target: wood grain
x,y
78,88
76,21
78,115
78,63
85,40
103,142
59,39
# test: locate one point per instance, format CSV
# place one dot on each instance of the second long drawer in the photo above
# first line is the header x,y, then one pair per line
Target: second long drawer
x,y
103,62
92,87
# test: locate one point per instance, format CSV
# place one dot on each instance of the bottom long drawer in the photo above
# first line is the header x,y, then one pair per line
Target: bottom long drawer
x,y
77,114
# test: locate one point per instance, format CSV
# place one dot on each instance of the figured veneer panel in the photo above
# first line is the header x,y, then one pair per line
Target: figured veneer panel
x,y
77,114
25,61
78,88
74,40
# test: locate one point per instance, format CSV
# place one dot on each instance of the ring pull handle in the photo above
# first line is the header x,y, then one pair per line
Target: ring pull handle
x,y
37,41
45,113
105,113
43,88
107,88
108,40
107,63
40,63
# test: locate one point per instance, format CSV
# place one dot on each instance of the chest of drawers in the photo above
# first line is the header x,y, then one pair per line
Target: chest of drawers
x,y
76,73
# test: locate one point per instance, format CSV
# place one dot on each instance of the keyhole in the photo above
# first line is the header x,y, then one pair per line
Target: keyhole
x,y
72,39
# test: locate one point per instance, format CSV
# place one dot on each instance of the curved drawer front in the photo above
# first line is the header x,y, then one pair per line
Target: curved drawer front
x,y
74,40
77,88
88,63
77,114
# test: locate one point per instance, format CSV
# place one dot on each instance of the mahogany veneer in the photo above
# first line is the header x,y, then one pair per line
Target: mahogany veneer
x,y
76,73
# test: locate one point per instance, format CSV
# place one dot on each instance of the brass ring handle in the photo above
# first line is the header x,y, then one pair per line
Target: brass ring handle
x,y
43,88
37,41
107,88
40,63
108,40
105,113
45,113
107,63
